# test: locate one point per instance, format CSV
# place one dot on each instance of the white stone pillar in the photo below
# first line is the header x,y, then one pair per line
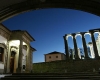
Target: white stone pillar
x,y
28,59
19,69
31,62
8,57
5,60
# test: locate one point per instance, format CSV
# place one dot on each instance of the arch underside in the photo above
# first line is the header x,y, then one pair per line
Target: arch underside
x,y
7,11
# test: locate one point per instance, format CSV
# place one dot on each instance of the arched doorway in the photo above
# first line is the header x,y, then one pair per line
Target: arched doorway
x,y
12,59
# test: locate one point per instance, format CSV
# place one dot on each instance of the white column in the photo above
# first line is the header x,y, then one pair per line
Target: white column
x,y
31,58
19,69
28,59
5,60
8,58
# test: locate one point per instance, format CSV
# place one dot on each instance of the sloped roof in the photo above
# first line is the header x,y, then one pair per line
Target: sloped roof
x,y
55,52
4,26
23,31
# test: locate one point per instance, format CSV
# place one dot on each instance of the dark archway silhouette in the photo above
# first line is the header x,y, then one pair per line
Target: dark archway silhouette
x,y
14,7
12,59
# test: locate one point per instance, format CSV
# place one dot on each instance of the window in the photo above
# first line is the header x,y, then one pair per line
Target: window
x,y
23,66
56,56
49,56
1,54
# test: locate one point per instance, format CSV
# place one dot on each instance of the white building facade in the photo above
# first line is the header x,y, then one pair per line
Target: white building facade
x,y
15,51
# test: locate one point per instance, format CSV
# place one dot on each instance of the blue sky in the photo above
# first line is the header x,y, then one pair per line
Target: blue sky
x,y
48,26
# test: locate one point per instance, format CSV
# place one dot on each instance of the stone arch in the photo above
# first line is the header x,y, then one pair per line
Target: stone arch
x,y
97,39
3,45
89,46
14,51
84,46
69,35
96,34
14,48
71,50
80,48
16,7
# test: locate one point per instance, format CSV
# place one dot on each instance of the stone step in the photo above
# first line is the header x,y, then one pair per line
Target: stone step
x,y
46,78
53,76
54,73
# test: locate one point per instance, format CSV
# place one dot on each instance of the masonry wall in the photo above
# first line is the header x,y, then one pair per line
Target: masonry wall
x,y
67,66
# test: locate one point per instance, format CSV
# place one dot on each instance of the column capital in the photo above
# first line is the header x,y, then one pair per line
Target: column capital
x,y
91,31
65,36
73,34
82,33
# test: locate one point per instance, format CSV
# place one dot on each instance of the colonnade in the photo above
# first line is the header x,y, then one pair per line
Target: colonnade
x,y
91,32
19,69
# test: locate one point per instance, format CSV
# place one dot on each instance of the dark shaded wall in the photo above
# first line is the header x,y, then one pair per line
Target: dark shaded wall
x,y
67,66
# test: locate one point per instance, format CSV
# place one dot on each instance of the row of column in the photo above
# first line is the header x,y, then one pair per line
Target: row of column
x,y
19,70
84,45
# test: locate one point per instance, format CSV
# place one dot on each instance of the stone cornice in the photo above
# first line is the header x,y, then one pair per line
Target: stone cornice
x,y
29,36
31,48
2,27
4,31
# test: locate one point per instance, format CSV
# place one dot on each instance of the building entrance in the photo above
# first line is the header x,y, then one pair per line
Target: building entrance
x,y
12,60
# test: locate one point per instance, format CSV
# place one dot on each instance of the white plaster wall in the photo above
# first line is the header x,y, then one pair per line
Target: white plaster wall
x,y
14,43
24,57
79,54
1,65
53,57
92,52
3,40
